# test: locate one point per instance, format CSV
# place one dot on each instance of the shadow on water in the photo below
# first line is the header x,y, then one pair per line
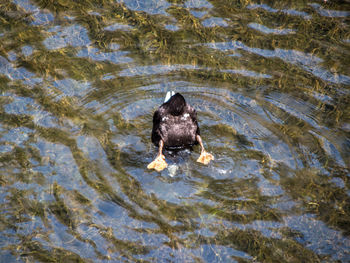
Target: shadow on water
x,y
79,83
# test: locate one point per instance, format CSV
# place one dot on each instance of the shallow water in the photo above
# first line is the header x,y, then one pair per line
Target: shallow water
x,y
80,81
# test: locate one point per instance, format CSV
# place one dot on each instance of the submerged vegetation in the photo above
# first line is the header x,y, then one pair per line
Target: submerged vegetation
x,y
79,83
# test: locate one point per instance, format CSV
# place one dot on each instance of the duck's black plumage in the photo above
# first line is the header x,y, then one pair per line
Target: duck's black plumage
x,y
175,123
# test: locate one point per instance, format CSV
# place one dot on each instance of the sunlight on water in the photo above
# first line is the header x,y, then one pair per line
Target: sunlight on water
x,y
80,81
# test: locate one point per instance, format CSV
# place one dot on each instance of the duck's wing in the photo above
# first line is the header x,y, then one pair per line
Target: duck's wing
x,y
156,122
193,115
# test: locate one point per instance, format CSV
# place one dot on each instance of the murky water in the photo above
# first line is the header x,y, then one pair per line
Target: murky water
x,y
79,83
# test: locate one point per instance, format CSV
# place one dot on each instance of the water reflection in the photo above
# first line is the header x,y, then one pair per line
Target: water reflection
x,y
307,61
329,13
267,30
286,11
79,84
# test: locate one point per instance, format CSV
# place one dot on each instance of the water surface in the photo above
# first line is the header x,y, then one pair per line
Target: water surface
x,y
79,83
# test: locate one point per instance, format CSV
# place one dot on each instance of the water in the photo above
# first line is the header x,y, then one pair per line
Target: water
x,y
80,81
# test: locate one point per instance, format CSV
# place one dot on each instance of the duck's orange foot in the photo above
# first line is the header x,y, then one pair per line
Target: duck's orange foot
x,y
159,164
205,157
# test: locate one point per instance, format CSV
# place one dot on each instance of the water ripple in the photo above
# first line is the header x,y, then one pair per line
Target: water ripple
x,y
308,62
151,7
74,35
286,11
79,84
266,30
329,13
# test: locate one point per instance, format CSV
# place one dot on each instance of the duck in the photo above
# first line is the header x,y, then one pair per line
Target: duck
x,y
175,126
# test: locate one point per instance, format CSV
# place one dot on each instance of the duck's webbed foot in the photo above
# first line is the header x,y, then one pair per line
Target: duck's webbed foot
x,y
159,164
205,157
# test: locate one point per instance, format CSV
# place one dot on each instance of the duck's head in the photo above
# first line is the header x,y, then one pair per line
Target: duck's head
x,y
176,104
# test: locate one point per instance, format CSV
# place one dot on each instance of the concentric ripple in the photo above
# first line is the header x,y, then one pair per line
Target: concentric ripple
x,y
79,83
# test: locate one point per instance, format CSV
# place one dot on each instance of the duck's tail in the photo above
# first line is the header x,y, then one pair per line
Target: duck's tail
x,y
168,95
